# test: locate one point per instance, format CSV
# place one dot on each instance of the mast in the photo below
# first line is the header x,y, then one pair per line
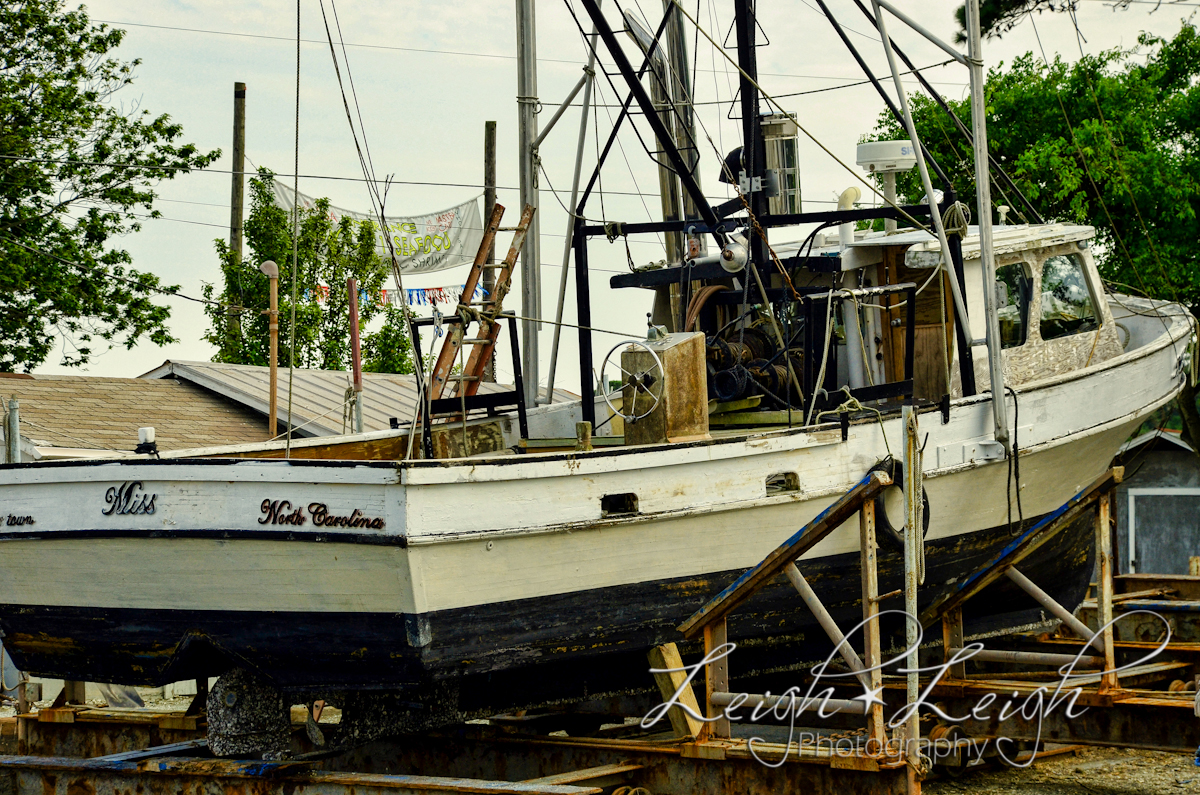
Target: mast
x,y
527,129
983,188
754,154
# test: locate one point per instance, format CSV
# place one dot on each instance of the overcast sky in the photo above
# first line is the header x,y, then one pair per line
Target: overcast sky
x,y
429,74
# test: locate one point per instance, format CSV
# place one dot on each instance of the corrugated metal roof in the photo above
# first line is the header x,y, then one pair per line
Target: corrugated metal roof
x,y
318,396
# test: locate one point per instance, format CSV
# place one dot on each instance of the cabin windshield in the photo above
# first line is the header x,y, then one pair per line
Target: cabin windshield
x,y
1067,306
1014,290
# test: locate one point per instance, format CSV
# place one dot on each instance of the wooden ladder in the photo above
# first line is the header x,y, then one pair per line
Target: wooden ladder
x,y
485,312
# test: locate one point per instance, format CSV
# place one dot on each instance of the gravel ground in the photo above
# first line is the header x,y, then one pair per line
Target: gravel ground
x,y
1091,771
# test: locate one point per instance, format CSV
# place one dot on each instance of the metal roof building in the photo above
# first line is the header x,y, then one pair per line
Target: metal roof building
x,y
319,397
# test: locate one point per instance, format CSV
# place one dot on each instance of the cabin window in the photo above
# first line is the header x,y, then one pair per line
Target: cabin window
x,y
1014,289
618,504
1067,306
781,482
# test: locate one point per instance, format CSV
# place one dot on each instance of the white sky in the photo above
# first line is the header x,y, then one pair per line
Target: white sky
x,y
424,113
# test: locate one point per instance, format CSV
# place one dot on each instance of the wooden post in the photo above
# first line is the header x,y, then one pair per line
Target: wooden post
x,y
583,436
355,354
716,679
489,202
952,638
1104,589
74,692
868,562
1194,566
271,271
667,656
236,202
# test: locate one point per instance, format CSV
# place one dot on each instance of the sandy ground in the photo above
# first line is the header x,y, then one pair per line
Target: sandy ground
x,y
1091,771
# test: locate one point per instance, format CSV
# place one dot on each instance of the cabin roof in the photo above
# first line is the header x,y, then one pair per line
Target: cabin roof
x,y
317,395
93,413
1005,239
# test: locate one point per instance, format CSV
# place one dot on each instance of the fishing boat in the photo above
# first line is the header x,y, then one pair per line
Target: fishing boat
x,y
511,578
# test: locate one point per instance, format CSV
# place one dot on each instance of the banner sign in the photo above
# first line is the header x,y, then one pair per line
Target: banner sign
x,y
424,296
423,243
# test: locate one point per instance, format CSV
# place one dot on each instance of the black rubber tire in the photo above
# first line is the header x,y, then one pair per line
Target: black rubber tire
x,y
894,536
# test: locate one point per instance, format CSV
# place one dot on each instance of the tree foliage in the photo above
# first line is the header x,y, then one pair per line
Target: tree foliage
x,y
1110,140
76,169
328,254
997,17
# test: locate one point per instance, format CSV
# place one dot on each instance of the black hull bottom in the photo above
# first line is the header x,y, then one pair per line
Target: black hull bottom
x,y
521,653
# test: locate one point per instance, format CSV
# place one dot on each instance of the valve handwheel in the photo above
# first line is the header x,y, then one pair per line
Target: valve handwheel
x,y
641,382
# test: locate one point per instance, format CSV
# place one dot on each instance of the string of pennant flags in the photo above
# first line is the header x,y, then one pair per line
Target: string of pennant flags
x,y
413,296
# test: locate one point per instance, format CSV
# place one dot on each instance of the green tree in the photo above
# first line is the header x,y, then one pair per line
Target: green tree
x,y
328,253
1110,141
76,169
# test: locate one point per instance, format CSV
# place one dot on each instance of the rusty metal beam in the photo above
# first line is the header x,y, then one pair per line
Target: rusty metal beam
x,y
32,775
773,564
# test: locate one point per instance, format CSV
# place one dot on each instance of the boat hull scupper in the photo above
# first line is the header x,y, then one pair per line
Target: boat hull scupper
x,y
506,576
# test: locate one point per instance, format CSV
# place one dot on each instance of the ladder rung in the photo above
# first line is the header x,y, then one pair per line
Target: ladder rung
x,y
477,342
462,377
481,303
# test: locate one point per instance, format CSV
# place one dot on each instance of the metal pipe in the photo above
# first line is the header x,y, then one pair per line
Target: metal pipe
x,y
813,602
566,103
527,102
843,705
1045,600
588,77
1033,657
912,23
983,191
912,563
862,64
941,101
960,305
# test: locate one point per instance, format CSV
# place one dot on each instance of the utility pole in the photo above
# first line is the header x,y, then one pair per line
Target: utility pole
x,y
531,287
685,127
489,204
236,199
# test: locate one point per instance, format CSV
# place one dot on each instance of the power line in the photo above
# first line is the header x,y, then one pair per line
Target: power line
x,y
429,51
91,271
302,176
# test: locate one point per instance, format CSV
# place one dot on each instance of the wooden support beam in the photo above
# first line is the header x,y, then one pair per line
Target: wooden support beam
x,y
773,564
869,564
952,638
1104,591
716,679
664,658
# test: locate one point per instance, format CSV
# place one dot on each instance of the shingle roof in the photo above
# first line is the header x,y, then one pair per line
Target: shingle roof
x,y
317,395
82,411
